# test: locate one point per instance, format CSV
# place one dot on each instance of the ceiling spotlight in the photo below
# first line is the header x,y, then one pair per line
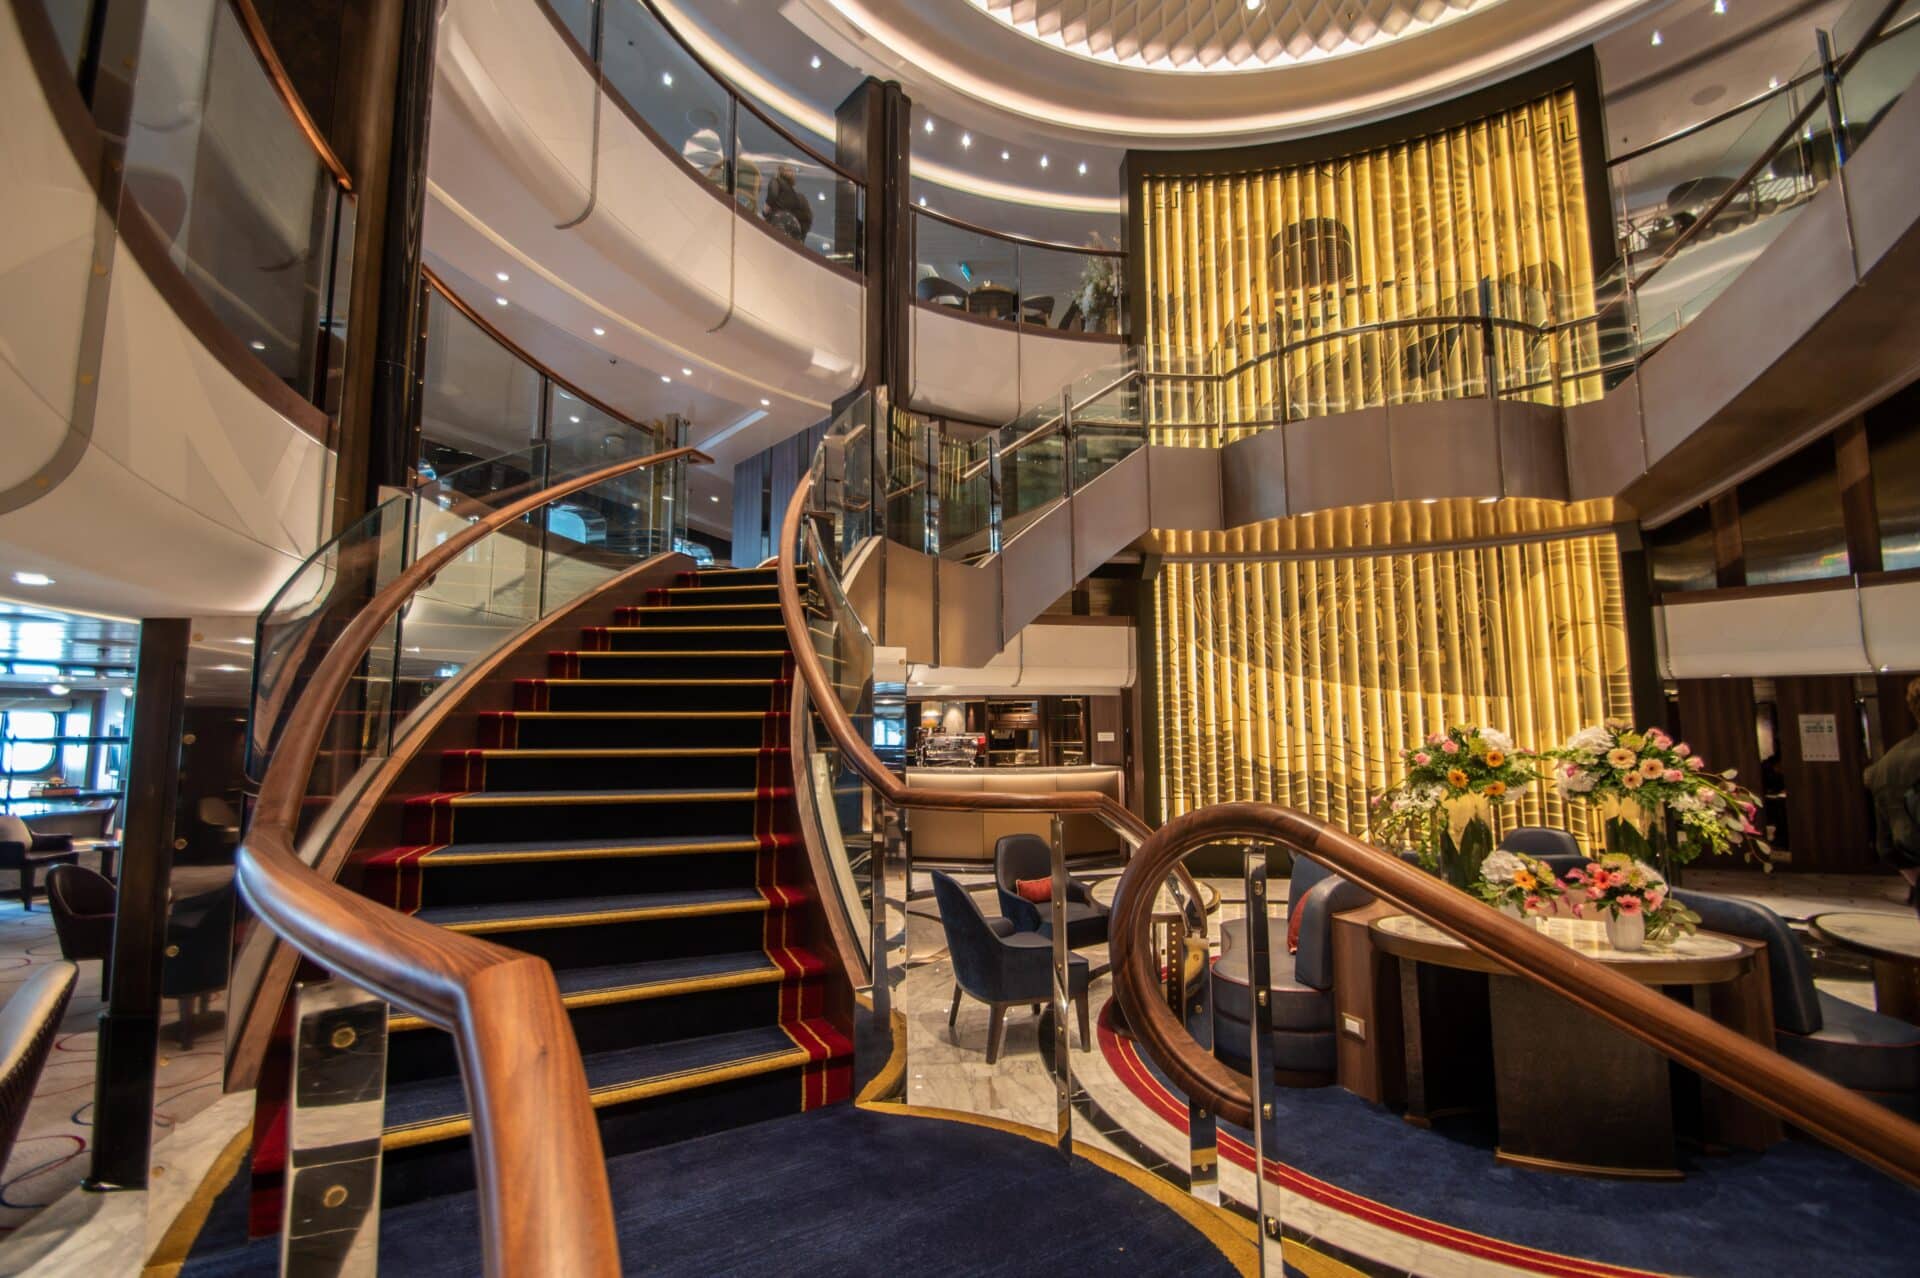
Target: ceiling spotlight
x,y
1083,168
58,689
574,418
1719,6
501,276
923,201
823,197
1043,161
714,498
816,62
927,127
499,301
257,344
766,403
666,78
665,378
686,372
33,579
1773,82
599,332
1656,40
966,140
1006,155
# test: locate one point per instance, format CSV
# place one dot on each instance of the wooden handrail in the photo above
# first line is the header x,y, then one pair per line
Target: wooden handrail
x,y
840,726
1841,1117
544,1202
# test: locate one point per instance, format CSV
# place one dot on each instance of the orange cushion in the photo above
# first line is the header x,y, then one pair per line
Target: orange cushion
x,y
1039,891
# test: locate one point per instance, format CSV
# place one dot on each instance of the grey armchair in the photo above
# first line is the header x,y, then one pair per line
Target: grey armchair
x,y
28,1024
23,850
1027,856
1001,971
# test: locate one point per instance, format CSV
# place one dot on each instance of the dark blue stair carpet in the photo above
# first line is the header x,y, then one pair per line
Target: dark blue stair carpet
x,y
435,1099
619,976
835,1191
533,911
520,851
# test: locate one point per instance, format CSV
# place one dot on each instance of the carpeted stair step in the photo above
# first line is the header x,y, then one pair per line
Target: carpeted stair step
x,y
718,614
647,1095
663,638
503,917
744,662
749,593
527,816
611,767
734,577
700,729
659,695
424,877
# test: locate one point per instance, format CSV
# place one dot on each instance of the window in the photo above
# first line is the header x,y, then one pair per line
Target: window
x,y
23,761
1790,524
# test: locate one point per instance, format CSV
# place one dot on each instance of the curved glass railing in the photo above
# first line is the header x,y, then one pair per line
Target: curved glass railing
x,y
1010,279
791,188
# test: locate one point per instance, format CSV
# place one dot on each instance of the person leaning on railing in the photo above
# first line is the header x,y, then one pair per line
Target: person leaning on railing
x,y
1894,781
787,209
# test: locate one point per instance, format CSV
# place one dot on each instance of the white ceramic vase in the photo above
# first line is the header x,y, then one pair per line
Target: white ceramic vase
x,y
1626,932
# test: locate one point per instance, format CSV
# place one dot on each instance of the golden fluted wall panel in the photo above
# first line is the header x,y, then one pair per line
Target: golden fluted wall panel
x,y
1488,218
1299,679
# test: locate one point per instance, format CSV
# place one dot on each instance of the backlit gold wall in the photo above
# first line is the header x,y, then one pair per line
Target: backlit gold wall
x,y
1488,217
1298,679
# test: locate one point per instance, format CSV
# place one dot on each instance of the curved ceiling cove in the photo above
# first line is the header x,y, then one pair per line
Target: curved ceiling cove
x,y
1221,35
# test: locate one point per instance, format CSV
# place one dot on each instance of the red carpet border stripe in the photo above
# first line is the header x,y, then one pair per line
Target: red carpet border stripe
x,y
1122,1055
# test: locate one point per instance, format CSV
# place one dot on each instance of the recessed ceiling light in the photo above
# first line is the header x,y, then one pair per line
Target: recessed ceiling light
x,y
665,378
502,276
816,62
686,372
1773,82
33,579
823,197
58,689
599,332
766,403
1006,155
713,498
574,418
499,301
1656,40
927,127
666,78
257,344
1083,168
1043,161
966,140
923,201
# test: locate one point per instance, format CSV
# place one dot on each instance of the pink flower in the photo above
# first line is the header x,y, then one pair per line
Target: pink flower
x,y
1576,876
1579,910
1435,738
1673,776
1695,763
1450,747
1660,739
1422,759
1628,904
1533,903
1595,893
1748,808
1655,900
1683,749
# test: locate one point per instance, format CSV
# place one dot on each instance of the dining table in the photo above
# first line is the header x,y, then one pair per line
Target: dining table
x,y
1892,942
1570,1092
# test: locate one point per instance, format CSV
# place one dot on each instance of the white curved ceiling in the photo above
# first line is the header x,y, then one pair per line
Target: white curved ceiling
x,y
1221,35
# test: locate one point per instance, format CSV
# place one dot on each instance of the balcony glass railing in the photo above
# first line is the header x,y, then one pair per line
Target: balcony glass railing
x,y
1023,283
773,177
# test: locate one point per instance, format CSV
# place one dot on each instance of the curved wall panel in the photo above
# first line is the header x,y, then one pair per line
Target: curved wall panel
x,y
631,232
189,494
991,372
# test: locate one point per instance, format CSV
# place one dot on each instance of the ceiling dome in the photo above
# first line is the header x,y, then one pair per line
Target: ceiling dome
x,y
1221,35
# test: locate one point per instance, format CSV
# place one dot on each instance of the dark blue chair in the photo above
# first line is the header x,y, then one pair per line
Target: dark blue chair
x,y
1875,1054
1557,848
1028,856
1301,1050
1001,970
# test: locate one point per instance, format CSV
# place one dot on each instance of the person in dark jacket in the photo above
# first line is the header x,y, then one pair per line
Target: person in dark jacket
x,y
1894,781
786,205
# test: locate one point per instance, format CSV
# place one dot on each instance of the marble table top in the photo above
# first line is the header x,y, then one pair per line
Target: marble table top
x,y
1883,935
1589,937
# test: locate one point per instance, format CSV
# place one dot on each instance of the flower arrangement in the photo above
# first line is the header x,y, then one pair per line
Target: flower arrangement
x,y
1445,807
1636,778
1625,889
1517,882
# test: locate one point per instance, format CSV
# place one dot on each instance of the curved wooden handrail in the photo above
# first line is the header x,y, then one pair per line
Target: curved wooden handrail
x,y
544,1203
1843,1118
840,726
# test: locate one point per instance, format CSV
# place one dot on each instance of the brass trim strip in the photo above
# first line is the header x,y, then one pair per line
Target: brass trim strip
x,y
640,714
618,1093
768,975
678,652
620,752
657,683
597,917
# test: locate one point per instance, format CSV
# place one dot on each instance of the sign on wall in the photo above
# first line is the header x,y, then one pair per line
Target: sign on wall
x,y
1819,738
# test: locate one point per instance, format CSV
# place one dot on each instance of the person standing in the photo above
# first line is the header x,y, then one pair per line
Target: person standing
x,y
1894,781
786,205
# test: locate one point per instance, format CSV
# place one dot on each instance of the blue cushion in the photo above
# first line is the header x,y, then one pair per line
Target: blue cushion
x,y
1796,1008
1543,842
1299,1051
1313,965
1295,1006
1858,1048
993,968
1305,874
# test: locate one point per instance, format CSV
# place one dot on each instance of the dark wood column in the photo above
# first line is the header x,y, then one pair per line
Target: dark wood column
x,y
1829,823
871,142
1859,512
1729,550
1637,600
130,1022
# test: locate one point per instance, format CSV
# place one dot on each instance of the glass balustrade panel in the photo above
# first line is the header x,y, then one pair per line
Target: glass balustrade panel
x,y
795,191
687,110
480,406
966,490
1880,75
1064,291
976,273
1032,467
1108,419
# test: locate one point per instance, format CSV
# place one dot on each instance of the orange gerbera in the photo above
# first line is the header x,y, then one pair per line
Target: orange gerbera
x,y
1495,789
1495,758
1457,779
1524,879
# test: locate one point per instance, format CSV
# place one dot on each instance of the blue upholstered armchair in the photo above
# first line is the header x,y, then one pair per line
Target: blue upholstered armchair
x,y
1301,1052
1861,1049
1027,856
1001,971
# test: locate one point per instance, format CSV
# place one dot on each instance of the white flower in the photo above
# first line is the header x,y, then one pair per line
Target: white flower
x,y
1497,739
1500,867
1596,738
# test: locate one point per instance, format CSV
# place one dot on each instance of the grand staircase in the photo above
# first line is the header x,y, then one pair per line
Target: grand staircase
x,y
631,821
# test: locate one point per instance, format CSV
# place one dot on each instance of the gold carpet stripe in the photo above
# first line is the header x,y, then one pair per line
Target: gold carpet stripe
x,y
638,993
170,1253
528,923
613,1094
611,852
653,683
1313,1264
714,607
643,714
619,752
683,652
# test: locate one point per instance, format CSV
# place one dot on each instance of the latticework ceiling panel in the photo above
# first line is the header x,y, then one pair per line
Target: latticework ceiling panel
x,y
1222,35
